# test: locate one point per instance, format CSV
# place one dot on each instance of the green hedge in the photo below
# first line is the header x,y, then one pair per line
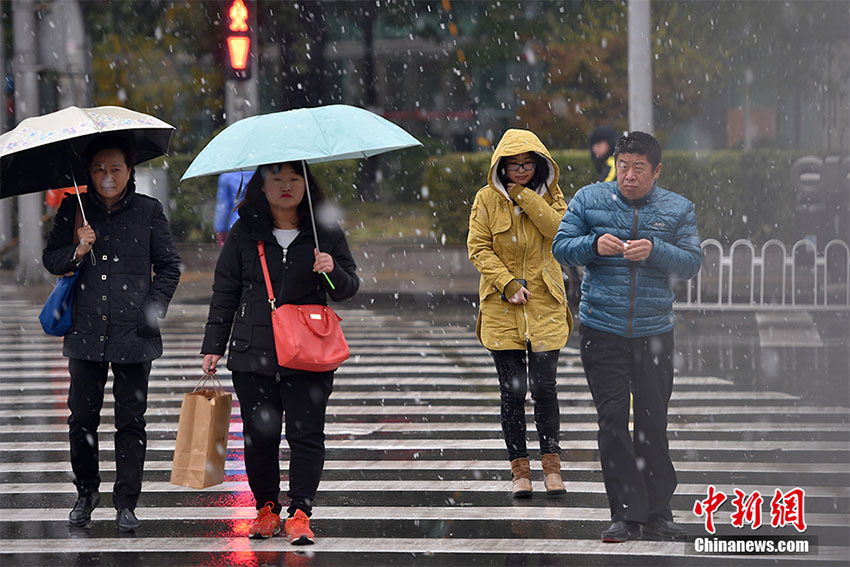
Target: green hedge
x,y
736,194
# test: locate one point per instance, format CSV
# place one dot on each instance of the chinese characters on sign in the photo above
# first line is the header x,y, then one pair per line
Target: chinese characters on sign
x,y
785,509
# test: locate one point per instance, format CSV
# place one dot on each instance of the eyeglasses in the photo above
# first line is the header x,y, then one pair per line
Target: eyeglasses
x,y
514,167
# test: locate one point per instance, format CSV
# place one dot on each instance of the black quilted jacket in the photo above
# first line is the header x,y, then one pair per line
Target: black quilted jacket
x,y
240,302
118,301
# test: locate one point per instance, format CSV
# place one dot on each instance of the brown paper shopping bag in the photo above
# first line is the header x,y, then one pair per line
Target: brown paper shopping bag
x,y
202,437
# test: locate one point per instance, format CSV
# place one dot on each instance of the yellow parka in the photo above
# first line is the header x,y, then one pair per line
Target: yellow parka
x,y
510,237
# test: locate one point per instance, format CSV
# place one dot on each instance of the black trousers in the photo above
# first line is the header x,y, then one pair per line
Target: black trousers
x,y
516,377
85,400
263,402
638,473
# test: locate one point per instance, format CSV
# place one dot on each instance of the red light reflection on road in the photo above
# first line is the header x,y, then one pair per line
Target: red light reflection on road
x,y
258,558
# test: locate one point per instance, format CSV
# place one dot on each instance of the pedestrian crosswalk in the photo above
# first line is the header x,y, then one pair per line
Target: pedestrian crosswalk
x,y
416,470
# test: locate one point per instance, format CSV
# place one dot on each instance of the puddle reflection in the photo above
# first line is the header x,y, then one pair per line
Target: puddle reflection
x,y
816,373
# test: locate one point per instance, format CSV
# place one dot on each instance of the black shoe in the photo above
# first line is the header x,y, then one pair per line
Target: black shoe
x,y
619,532
80,516
659,529
127,521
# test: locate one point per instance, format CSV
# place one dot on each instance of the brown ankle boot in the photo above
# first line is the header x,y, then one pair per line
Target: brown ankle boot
x,y
522,478
552,475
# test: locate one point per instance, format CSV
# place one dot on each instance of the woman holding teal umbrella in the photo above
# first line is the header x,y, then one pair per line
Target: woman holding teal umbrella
x,y
276,211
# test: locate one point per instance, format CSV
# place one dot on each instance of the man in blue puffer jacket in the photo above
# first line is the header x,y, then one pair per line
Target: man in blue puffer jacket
x,y
633,239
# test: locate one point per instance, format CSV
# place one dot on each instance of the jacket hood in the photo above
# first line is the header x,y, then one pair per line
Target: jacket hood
x,y
516,142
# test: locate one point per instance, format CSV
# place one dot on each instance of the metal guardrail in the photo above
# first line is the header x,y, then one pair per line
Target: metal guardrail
x,y
770,278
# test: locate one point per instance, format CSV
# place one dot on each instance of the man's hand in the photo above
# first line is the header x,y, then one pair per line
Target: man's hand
x,y
609,245
637,250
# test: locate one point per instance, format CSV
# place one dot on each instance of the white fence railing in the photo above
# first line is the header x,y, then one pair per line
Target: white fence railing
x,y
769,278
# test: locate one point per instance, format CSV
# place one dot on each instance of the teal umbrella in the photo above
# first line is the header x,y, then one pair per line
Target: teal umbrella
x,y
308,135
314,135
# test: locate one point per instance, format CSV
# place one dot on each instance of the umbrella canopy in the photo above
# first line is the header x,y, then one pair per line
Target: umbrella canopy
x,y
314,135
44,152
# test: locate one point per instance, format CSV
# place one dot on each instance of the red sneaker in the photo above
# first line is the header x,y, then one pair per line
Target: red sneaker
x,y
267,523
298,529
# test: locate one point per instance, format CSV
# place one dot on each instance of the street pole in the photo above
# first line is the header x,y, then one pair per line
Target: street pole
x,y
241,96
240,99
748,119
5,205
74,90
25,65
640,67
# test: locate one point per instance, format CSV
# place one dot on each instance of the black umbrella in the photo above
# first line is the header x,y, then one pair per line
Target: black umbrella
x,y
44,152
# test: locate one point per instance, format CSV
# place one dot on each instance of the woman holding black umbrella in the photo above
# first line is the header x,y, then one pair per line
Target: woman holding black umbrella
x,y
276,212
115,316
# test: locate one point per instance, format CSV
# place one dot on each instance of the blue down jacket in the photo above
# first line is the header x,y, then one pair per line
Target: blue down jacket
x,y
630,299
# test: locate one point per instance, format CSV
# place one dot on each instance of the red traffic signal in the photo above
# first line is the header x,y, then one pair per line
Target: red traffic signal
x,y
238,16
239,48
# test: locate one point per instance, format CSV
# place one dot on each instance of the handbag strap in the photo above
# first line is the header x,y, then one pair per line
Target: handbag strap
x,y
261,249
326,327
211,378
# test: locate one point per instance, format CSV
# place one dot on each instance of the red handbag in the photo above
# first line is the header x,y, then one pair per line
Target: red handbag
x,y
306,337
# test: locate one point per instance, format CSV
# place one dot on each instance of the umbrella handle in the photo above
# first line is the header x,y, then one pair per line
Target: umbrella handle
x,y
313,217
83,211
79,199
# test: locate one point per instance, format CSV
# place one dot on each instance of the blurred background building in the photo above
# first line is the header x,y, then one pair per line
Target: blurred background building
x,y
725,74
756,75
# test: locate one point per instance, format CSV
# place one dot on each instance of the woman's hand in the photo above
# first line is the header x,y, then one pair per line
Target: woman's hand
x,y
87,237
210,362
520,297
324,262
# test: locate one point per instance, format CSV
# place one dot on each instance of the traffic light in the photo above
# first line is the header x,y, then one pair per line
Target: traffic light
x,y
238,18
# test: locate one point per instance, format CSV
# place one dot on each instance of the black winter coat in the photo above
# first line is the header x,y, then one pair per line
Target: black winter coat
x,y
239,289
116,304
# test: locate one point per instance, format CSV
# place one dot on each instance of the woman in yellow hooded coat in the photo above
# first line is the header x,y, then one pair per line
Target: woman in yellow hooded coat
x,y
523,317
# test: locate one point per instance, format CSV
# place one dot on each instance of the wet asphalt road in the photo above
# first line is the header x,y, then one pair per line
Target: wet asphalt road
x,y
416,472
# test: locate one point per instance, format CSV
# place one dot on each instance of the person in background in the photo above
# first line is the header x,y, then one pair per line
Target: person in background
x,y
230,186
275,210
53,197
523,318
115,319
633,239
602,141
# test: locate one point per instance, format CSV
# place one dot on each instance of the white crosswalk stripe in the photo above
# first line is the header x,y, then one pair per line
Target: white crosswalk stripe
x,y
416,466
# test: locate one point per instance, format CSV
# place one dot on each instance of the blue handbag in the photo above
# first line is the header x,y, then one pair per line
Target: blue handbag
x,y
55,316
